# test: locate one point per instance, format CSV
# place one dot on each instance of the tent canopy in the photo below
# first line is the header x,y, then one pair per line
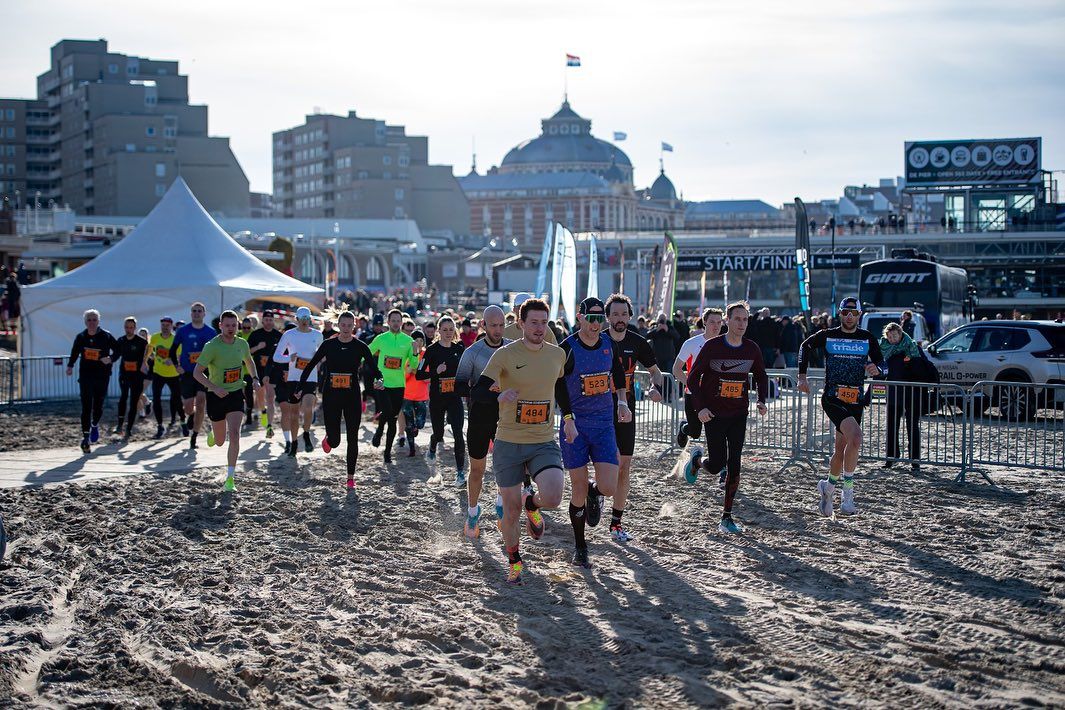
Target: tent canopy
x,y
176,255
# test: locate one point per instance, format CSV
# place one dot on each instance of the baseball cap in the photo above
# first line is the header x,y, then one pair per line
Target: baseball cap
x,y
589,303
417,334
378,319
268,314
850,304
167,319
520,298
303,313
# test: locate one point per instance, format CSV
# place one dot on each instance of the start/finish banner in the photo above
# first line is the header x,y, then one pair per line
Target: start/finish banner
x,y
763,262
973,162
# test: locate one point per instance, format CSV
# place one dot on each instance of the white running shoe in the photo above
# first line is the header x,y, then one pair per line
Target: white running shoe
x,y
847,506
828,496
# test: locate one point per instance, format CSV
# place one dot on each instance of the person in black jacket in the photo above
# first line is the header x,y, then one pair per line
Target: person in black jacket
x,y
902,400
96,349
766,333
791,337
130,351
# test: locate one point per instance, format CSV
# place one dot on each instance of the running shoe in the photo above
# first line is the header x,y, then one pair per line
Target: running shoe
x,y
514,572
184,427
401,442
85,446
307,445
325,444
828,494
376,440
460,479
472,529
682,436
695,462
846,504
580,558
287,444
351,484
118,428
127,435
210,437
269,432
534,521
292,450
230,485
721,477
264,420
431,455
94,434
618,533
192,440
729,526
388,459
499,512
147,411
595,505
159,431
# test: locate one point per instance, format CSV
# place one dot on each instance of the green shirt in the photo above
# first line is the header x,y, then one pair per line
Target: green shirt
x,y
225,362
392,350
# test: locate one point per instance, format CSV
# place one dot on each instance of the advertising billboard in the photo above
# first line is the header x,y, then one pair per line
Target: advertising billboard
x,y
972,162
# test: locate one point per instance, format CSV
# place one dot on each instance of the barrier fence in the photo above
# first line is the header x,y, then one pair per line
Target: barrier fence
x,y
945,425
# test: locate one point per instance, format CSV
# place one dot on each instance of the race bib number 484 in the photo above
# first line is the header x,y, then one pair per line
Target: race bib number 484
x,y
532,411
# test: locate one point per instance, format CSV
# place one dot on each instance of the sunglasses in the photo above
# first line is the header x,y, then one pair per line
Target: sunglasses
x,y
849,312
594,317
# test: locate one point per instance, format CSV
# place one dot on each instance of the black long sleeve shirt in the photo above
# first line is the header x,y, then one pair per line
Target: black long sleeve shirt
x,y
342,361
441,384
91,350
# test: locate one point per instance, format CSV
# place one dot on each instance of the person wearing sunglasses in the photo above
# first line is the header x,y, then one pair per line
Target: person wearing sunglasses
x,y
851,355
592,373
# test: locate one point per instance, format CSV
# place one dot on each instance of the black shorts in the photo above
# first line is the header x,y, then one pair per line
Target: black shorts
x,y
625,434
219,407
838,411
294,392
481,428
189,386
263,369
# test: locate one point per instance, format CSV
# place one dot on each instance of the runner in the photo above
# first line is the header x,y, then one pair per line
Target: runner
x,y
522,376
220,370
262,343
244,332
342,355
439,365
393,351
131,349
592,372
484,416
633,350
164,372
97,349
298,395
851,354
188,343
689,350
415,396
145,405
513,331
718,384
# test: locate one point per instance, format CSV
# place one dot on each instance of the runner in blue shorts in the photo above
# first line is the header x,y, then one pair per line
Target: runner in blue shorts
x,y
592,374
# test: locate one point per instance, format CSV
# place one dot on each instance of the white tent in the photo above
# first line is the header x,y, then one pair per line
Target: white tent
x,y
175,256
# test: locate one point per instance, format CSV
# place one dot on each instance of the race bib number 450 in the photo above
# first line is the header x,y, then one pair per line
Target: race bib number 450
x,y
595,383
532,411
848,395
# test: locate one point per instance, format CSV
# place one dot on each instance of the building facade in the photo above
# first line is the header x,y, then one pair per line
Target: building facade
x,y
362,168
109,132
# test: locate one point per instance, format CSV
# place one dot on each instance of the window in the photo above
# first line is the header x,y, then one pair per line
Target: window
x,y
959,342
131,147
133,67
386,159
404,161
399,193
373,270
1000,339
10,169
564,128
386,176
169,132
363,175
399,213
10,132
11,151
11,114
160,169
149,131
112,68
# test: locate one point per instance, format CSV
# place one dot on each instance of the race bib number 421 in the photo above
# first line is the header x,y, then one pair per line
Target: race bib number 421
x,y
532,412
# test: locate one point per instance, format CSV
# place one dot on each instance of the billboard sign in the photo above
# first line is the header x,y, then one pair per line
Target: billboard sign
x,y
762,262
973,162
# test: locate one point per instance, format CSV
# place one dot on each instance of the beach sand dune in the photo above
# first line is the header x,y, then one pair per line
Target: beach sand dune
x,y
160,590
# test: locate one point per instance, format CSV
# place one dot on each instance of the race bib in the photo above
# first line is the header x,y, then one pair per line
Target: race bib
x,y
596,383
129,366
162,353
194,358
302,363
264,360
848,395
231,375
447,385
91,354
393,363
340,381
532,412
730,389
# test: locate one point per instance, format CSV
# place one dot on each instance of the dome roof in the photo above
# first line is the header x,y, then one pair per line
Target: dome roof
x,y
566,138
613,173
662,188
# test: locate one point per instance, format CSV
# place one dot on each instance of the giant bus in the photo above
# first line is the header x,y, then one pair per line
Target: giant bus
x,y
916,281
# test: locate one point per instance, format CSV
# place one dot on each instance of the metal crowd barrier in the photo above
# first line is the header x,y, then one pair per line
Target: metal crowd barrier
x,y
990,424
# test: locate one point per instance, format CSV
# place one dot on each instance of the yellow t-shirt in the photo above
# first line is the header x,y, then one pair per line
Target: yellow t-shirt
x,y
161,349
531,419
514,332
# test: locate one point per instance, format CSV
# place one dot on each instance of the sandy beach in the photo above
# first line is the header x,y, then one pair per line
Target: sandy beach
x,y
158,590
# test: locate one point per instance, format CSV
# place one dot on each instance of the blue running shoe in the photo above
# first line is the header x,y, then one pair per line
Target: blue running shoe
x,y
729,526
695,462
499,512
94,434
460,479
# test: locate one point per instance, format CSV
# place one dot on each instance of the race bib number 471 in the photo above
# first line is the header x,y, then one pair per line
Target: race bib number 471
x,y
532,412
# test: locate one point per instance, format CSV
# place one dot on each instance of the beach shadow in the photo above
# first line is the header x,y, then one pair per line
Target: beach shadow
x,y
340,515
203,511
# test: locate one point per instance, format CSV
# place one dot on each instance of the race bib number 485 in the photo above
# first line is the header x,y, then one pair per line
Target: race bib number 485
x,y
532,411
730,389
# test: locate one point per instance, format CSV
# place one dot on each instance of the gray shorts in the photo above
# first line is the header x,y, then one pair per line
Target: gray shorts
x,y
510,461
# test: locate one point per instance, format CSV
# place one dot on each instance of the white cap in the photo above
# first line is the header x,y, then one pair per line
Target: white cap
x,y
303,313
520,298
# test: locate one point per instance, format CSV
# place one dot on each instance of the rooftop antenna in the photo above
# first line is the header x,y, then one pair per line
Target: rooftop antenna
x,y
474,166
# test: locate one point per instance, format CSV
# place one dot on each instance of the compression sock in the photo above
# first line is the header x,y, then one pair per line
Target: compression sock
x,y
530,504
833,479
615,517
230,470
576,518
513,555
474,511
848,480
288,436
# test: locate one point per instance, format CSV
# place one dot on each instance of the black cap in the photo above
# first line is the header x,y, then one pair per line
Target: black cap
x,y
378,319
417,334
589,303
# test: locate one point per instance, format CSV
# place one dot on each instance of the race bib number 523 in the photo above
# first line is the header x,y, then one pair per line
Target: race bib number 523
x,y
596,383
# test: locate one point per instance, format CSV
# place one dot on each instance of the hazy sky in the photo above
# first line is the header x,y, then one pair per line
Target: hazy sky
x,y
760,100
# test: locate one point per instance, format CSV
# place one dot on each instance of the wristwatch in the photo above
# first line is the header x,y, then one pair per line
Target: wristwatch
x,y
567,417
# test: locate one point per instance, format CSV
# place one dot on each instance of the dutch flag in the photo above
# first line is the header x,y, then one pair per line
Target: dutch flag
x,y
573,60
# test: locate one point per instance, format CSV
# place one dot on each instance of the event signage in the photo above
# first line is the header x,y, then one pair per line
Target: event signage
x,y
762,262
973,162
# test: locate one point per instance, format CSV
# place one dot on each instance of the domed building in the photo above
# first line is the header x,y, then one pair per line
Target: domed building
x,y
567,175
